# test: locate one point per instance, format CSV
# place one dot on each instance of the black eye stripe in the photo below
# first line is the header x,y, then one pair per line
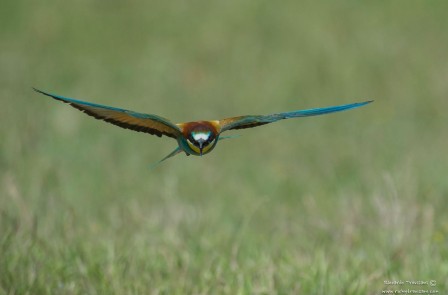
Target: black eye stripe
x,y
204,144
210,138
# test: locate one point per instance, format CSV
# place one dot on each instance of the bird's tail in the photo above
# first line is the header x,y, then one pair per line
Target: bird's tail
x,y
172,154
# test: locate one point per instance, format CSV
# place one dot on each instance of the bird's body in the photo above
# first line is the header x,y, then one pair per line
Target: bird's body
x,y
204,133
194,138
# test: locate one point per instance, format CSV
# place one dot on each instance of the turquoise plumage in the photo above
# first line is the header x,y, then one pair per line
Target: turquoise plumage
x,y
193,138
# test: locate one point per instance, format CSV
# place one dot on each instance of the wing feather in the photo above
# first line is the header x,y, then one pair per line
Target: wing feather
x,y
250,121
140,122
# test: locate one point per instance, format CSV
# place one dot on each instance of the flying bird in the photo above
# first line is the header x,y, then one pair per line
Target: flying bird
x,y
193,138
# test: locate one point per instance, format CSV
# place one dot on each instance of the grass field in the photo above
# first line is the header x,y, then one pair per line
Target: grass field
x,y
336,204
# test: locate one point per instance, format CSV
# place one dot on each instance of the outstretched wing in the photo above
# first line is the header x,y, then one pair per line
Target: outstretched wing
x,y
242,122
147,123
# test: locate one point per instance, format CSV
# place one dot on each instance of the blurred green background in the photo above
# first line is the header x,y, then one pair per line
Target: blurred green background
x,y
326,205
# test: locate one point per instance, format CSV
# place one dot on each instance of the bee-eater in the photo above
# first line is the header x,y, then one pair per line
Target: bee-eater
x,y
193,138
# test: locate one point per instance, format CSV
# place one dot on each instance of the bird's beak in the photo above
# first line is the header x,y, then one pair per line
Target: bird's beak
x,y
200,146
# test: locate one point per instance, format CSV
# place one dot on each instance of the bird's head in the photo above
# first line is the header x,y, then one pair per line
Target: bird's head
x,y
201,139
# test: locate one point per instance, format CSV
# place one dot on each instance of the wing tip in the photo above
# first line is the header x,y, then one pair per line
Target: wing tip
x,y
360,104
41,92
37,90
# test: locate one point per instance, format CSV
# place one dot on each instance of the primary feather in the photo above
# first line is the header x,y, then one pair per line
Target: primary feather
x,y
250,121
193,138
140,122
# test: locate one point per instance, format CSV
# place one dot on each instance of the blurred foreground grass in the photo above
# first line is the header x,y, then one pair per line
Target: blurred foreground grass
x,y
327,205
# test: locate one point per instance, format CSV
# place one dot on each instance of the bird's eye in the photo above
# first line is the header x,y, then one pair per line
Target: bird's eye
x,y
200,138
